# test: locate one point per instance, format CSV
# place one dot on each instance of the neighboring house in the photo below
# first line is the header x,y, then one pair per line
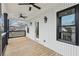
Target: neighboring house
x,y
14,28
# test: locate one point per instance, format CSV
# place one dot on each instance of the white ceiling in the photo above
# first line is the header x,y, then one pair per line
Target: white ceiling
x,y
14,9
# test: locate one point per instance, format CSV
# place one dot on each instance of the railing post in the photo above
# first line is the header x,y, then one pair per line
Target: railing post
x,y
5,26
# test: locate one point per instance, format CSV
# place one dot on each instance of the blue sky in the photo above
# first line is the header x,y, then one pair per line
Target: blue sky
x,y
1,20
68,20
13,22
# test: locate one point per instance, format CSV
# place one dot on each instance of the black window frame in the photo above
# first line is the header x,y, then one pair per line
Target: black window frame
x,y
76,7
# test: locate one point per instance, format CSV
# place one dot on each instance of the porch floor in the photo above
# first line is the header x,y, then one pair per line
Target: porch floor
x,y
24,46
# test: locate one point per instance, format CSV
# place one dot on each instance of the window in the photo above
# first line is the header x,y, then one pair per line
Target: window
x,y
37,29
67,25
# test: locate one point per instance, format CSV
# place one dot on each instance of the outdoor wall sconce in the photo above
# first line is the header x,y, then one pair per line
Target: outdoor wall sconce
x,y
45,19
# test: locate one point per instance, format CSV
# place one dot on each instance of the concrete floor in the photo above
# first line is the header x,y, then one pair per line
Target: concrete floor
x,y
24,46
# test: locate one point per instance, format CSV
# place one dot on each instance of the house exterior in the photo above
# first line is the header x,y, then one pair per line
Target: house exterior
x,y
42,25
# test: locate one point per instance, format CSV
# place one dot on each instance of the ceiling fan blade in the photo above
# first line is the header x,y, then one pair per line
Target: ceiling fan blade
x,y
36,6
24,4
33,4
30,8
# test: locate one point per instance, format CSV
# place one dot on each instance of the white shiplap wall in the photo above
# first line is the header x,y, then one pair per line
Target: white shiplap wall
x,y
47,31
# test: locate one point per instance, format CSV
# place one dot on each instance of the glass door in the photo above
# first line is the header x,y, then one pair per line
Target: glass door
x,y
37,30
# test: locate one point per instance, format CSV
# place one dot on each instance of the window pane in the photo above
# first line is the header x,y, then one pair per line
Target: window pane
x,y
1,24
68,20
68,33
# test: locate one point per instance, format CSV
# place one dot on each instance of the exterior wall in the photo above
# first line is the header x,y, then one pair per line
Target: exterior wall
x,y
47,32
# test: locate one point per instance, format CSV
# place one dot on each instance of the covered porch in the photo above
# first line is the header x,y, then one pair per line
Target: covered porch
x,y
52,30
23,46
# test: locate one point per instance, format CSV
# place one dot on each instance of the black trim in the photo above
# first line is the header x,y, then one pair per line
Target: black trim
x,y
5,37
37,29
67,8
76,23
27,29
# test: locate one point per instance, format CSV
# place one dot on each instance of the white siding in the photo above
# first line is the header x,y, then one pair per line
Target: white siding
x,y
47,31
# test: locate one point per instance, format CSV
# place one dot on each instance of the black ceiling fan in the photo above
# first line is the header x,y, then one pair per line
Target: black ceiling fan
x,y
21,15
33,4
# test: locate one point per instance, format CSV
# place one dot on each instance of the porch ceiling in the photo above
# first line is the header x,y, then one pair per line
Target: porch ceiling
x,y
14,9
